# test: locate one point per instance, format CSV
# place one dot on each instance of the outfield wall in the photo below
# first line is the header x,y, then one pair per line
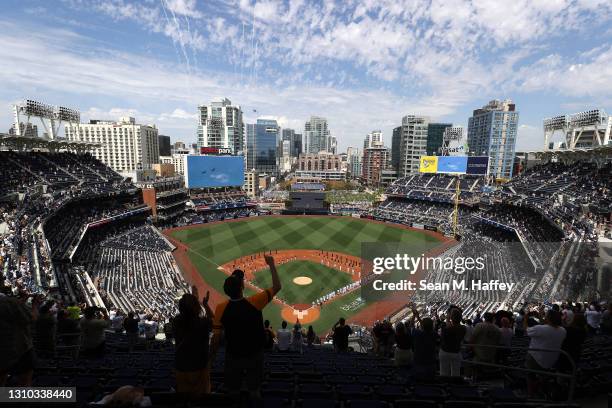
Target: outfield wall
x,y
441,237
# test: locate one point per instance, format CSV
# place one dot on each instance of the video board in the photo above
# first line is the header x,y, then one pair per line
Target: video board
x,y
214,171
472,165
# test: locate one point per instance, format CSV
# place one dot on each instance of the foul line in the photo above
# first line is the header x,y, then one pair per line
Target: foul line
x,y
205,258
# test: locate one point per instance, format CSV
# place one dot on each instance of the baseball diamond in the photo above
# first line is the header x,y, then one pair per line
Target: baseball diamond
x,y
324,249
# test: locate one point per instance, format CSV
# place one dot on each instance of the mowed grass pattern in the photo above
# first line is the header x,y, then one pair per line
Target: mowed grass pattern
x,y
215,244
324,280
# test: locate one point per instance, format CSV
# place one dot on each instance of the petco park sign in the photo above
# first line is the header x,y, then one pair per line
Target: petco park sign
x,y
215,150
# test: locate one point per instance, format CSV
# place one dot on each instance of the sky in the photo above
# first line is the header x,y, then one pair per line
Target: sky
x,y
361,64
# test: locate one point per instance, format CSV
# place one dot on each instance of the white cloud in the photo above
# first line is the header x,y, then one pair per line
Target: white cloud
x,y
183,7
363,64
178,114
591,75
139,81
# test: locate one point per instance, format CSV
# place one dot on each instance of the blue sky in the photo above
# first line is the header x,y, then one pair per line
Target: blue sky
x,y
361,64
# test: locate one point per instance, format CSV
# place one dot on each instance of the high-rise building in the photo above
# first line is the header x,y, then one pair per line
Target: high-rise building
x,y
492,132
287,134
435,137
251,183
323,166
413,143
375,160
295,140
373,138
164,145
284,157
261,150
177,159
220,125
396,140
179,146
317,137
285,148
296,145
125,146
353,160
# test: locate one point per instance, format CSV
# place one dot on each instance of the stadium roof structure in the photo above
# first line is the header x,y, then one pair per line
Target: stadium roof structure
x,y
580,153
31,142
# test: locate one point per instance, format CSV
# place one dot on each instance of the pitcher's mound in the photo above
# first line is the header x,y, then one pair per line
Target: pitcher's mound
x,y
302,280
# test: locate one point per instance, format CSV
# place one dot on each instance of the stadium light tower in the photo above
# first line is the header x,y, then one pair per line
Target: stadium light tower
x,y
50,116
583,129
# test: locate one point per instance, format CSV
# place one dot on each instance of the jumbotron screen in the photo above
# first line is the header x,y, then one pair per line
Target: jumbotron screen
x,y
214,171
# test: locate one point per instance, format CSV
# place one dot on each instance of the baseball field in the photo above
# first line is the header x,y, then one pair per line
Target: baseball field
x,y
212,250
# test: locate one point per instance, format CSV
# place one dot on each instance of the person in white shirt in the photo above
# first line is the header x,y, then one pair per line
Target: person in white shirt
x,y
150,328
283,338
568,315
550,336
593,317
117,321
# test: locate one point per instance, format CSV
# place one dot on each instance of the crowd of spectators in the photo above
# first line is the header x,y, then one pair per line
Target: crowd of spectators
x,y
191,218
437,187
351,202
434,339
48,185
557,212
545,337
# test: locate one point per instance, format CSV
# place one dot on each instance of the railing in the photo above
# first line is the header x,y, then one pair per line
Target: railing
x,y
571,377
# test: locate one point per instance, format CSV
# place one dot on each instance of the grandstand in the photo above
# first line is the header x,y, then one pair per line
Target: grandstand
x,y
63,206
73,231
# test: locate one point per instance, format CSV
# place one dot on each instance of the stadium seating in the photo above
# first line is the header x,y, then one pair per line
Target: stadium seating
x,y
319,377
137,272
51,202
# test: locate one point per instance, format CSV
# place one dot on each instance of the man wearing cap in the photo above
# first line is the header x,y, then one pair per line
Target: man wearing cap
x,y
241,320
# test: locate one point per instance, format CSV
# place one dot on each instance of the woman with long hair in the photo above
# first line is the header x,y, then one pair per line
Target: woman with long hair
x,y
403,346
192,333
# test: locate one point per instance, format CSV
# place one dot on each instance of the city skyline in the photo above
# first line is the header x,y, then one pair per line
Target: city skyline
x,y
159,61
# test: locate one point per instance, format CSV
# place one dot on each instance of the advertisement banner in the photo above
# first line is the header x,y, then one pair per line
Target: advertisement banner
x,y
478,165
429,164
452,164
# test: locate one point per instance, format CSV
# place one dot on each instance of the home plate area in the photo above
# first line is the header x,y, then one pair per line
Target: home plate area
x,y
302,312
309,278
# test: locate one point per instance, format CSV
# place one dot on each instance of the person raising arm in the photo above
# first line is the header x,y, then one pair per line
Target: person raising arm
x,y
241,320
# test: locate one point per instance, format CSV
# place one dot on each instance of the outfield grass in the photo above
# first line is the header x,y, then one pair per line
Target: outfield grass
x,y
215,244
324,281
